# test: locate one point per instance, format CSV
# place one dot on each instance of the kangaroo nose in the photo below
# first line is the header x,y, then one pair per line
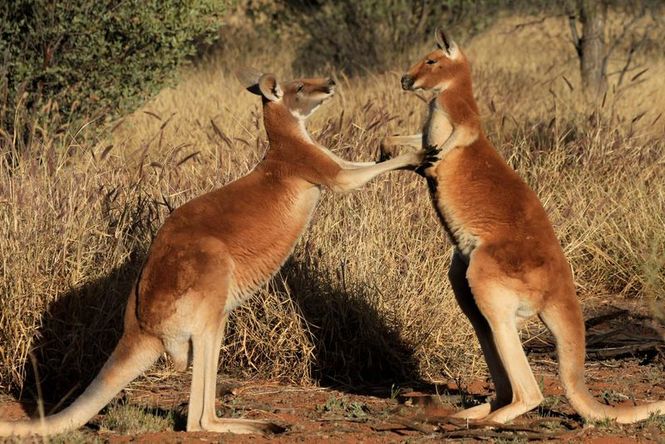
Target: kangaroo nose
x,y
331,82
407,82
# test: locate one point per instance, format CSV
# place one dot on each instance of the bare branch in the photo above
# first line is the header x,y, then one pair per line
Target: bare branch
x,y
617,40
572,22
531,23
633,49
424,12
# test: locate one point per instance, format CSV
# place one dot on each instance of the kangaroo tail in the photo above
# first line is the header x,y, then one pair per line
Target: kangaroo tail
x,y
134,353
564,320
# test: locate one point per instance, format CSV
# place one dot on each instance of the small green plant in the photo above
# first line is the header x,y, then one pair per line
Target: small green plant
x,y
357,410
612,397
126,418
511,439
395,391
332,405
73,437
605,423
548,404
341,406
654,421
235,409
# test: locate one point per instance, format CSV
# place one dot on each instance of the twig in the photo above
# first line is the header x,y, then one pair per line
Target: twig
x,y
572,22
595,339
631,51
605,353
620,37
525,24
342,418
423,428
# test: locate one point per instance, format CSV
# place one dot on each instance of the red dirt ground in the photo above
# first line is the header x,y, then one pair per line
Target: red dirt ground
x,y
418,413
313,415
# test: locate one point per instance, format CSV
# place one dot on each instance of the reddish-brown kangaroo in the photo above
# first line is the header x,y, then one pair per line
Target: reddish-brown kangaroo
x,y
508,264
214,252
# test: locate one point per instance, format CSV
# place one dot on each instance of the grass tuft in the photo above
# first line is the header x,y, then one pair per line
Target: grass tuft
x,y
131,419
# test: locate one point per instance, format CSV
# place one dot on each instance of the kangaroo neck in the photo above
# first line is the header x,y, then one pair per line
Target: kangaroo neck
x,y
291,151
461,89
283,128
453,110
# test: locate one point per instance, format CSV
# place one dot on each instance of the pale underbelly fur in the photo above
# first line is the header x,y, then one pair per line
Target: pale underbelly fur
x,y
437,128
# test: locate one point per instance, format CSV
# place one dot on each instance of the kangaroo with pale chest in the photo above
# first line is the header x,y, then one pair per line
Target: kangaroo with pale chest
x,y
214,252
508,264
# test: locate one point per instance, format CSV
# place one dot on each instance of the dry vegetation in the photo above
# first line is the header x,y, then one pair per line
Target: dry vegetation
x,y
365,297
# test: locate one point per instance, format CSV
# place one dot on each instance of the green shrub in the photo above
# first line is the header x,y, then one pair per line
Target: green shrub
x,y
92,58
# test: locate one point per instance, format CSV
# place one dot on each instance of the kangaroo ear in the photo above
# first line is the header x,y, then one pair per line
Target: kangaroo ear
x,y
270,88
249,77
445,43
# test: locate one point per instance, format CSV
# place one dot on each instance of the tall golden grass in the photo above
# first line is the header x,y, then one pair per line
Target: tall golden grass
x,y
365,297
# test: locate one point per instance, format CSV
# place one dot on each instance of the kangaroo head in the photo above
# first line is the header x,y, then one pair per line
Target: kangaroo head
x,y
301,97
438,69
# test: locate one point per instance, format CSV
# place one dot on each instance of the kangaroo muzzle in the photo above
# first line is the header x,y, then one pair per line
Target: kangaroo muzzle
x,y
407,82
330,86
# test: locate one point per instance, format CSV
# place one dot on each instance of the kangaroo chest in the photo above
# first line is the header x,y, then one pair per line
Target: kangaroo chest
x,y
437,126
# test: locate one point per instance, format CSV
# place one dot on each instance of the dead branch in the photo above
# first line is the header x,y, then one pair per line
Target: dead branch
x,y
633,49
530,23
577,42
604,318
423,428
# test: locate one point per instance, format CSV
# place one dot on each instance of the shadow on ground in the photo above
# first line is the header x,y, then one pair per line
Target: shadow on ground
x,y
356,347
78,332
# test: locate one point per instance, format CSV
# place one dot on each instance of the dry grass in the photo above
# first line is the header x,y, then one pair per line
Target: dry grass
x,y
365,297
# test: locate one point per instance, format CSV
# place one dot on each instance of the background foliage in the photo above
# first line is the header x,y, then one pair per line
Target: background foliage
x,y
357,37
92,58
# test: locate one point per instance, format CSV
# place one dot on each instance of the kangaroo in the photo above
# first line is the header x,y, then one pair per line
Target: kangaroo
x,y
214,252
508,264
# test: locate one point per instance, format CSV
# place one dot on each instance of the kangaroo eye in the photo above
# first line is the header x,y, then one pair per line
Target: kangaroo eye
x,y
430,62
300,87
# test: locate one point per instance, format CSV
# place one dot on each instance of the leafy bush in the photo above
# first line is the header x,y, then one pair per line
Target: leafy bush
x,y
92,57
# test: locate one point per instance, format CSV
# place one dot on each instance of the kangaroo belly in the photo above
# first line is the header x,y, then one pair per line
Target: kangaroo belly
x,y
262,253
221,253
462,236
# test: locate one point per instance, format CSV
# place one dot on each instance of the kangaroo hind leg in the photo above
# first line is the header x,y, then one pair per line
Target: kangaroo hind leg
x,y
464,296
499,305
201,415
